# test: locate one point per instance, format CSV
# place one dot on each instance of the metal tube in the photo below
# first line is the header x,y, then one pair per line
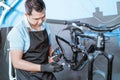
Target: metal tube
x,y
90,66
7,9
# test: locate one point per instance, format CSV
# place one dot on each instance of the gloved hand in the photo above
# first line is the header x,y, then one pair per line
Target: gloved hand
x,y
51,67
56,55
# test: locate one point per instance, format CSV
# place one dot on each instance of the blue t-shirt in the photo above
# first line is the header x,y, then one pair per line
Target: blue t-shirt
x,y
19,38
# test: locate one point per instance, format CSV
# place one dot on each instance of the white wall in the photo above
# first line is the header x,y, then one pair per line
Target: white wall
x,y
72,9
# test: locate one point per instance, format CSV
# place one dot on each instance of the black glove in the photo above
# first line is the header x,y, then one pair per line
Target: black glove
x,y
57,54
51,67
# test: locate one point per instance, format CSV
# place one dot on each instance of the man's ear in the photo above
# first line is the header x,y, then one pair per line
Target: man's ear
x,y
26,14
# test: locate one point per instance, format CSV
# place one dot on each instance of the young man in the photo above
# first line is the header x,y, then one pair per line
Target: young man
x,y
30,46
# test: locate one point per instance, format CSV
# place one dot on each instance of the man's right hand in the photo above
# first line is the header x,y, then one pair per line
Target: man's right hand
x,y
51,67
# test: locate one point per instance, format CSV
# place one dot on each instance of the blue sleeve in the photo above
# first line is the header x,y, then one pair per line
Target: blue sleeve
x,y
15,39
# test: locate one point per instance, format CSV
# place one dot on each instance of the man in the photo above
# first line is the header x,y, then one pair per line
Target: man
x,y
30,45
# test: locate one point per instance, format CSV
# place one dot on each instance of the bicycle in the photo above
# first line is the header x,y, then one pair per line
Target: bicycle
x,y
98,49
73,63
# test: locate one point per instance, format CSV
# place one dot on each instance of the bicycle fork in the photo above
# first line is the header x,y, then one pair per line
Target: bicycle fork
x,y
100,51
109,66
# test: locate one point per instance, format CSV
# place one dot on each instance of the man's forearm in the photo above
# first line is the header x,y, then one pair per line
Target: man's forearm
x,y
27,66
19,63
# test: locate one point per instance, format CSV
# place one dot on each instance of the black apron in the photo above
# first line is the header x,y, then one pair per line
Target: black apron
x,y
37,53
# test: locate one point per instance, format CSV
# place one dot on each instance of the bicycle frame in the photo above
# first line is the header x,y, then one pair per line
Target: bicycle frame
x,y
99,49
75,47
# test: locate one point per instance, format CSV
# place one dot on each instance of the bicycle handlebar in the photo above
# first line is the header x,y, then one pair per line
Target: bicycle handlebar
x,y
101,28
94,28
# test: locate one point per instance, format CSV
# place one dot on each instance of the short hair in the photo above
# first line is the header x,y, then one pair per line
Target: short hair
x,y
37,5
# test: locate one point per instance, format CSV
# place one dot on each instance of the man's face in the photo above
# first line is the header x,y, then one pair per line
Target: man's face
x,y
36,18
